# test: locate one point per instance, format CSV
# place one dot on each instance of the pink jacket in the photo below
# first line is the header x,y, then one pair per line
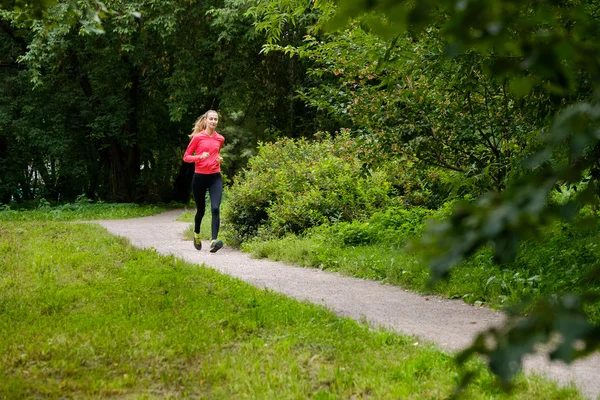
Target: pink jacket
x,y
201,143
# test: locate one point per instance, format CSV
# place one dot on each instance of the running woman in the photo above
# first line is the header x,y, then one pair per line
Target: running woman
x,y
204,150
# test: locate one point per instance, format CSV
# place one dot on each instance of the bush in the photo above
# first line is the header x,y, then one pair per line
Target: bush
x,y
292,185
419,185
392,226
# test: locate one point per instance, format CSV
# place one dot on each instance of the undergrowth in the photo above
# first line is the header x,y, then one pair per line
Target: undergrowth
x,y
561,260
82,209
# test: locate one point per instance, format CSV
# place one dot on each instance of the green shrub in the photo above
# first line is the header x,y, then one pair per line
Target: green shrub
x,y
292,185
417,184
392,226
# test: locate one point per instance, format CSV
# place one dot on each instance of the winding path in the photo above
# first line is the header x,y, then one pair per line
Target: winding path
x,y
451,324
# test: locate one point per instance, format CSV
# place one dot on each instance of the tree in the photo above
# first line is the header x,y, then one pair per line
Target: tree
x,y
527,57
546,45
118,103
407,98
33,8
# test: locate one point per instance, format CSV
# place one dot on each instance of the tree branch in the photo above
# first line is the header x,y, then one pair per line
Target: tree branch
x,y
10,31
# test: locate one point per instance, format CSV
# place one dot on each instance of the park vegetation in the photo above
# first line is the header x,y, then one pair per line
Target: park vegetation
x,y
350,127
84,314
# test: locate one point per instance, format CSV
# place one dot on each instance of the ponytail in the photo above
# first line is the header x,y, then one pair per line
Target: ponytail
x,y
200,124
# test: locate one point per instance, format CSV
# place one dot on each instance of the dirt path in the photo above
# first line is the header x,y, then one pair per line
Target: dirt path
x,y
451,324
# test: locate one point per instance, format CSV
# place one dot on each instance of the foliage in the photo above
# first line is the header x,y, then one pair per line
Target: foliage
x,y
111,108
392,226
561,260
506,30
405,97
418,185
546,44
292,185
91,10
84,314
82,209
36,7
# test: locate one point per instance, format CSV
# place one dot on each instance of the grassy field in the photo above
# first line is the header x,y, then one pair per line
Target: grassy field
x,y
80,211
85,315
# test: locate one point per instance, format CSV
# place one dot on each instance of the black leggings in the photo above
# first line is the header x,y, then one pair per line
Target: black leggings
x,y
214,184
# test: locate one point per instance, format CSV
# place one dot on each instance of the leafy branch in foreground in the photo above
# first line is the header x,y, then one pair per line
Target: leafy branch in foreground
x,y
504,220
543,44
506,346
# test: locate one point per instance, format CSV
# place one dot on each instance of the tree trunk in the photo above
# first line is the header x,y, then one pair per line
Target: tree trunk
x,y
124,160
123,168
183,182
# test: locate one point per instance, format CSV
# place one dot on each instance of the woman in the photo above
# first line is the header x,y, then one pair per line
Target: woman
x,y
204,150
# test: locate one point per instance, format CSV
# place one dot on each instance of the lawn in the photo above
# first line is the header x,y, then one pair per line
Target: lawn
x,y
83,314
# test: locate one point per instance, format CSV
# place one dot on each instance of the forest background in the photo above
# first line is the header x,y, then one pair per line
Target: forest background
x,y
346,121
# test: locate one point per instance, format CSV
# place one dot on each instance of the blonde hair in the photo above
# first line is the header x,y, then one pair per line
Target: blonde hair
x,y
200,124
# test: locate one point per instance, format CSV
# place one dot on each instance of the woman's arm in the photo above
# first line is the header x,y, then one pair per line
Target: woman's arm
x,y
189,156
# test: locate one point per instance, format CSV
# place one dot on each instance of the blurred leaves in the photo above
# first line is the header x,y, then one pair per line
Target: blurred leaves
x,y
34,9
552,46
558,321
505,218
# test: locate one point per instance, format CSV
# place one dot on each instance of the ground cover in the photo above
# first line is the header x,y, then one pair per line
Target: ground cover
x,y
81,210
560,261
84,314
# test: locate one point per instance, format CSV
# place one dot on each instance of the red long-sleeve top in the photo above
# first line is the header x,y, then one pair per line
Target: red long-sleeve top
x,y
201,143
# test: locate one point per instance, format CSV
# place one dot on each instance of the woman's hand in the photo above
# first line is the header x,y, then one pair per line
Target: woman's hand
x,y
204,155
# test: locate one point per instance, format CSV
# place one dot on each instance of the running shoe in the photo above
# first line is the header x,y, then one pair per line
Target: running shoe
x,y
215,245
197,243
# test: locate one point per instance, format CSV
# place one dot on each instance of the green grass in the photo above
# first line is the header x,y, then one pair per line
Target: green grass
x,y
205,228
388,264
81,211
85,315
559,262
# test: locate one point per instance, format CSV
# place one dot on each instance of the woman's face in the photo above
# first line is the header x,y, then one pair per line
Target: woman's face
x,y
212,119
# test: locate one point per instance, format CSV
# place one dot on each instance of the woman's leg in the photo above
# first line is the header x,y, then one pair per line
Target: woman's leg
x,y
199,186
215,191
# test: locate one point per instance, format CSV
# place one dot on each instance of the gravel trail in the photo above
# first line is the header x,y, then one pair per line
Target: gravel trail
x,y
451,324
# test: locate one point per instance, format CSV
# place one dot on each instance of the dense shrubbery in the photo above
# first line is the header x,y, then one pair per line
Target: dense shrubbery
x,y
421,186
292,185
392,226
